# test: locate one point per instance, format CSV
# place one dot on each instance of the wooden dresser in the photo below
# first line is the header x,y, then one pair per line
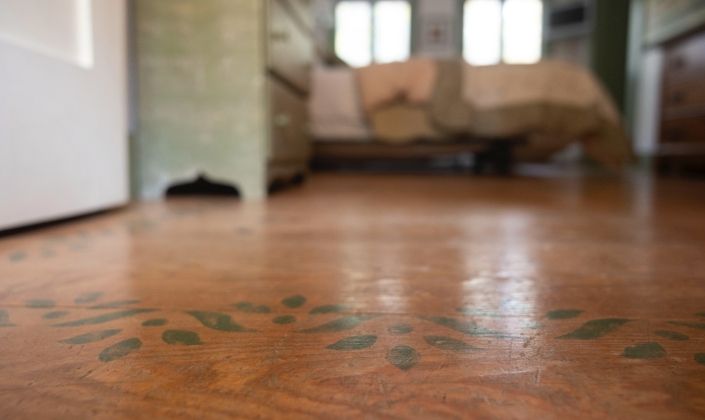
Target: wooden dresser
x,y
682,134
222,88
290,54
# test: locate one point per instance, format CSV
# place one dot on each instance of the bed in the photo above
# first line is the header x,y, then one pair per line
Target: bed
x,y
426,107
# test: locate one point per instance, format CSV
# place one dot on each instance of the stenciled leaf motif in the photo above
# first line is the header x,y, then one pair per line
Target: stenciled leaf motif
x,y
218,321
284,319
595,328
40,303
155,322
55,314
400,329
120,350
18,256
5,319
340,324
448,343
671,335
696,325
403,357
328,309
90,337
357,342
87,298
468,328
644,351
563,313
182,337
294,301
700,358
104,318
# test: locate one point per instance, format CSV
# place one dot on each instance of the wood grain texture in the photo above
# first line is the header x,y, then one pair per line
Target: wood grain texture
x,y
366,297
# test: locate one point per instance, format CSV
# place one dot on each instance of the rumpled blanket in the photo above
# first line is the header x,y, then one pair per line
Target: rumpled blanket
x,y
547,100
550,103
412,81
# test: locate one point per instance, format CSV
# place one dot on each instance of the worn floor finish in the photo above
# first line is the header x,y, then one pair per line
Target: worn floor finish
x,y
366,297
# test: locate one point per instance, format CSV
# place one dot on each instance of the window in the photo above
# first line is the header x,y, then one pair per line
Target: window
x,y
368,31
508,31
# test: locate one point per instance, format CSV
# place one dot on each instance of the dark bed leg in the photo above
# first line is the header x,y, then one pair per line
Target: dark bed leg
x,y
503,158
499,155
481,158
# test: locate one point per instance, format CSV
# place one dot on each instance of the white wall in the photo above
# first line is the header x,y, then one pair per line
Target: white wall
x,y
58,28
63,124
647,103
438,15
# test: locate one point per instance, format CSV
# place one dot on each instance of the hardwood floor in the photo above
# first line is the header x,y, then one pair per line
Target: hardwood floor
x,y
366,297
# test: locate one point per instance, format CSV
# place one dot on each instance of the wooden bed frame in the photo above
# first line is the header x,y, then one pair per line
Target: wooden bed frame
x,y
494,153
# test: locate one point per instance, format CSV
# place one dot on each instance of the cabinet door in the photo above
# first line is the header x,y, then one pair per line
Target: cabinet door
x,y
683,130
290,48
63,109
684,90
289,131
303,11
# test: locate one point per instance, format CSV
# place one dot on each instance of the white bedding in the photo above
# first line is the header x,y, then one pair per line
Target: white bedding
x,y
334,106
551,103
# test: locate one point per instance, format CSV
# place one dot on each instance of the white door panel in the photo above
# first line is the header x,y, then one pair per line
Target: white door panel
x,y
63,119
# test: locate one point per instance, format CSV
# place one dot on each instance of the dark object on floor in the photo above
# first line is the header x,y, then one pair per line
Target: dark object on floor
x,y
494,154
499,155
202,186
280,184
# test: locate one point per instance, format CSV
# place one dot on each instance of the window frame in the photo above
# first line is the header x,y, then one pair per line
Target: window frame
x,y
462,6
412,44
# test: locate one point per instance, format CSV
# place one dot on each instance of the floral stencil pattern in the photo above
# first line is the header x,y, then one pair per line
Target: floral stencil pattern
x,y
292,308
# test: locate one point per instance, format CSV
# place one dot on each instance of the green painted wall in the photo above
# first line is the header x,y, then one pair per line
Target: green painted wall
x,y
201,83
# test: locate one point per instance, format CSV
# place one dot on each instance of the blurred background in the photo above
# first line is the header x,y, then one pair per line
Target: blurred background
x,y
105,102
